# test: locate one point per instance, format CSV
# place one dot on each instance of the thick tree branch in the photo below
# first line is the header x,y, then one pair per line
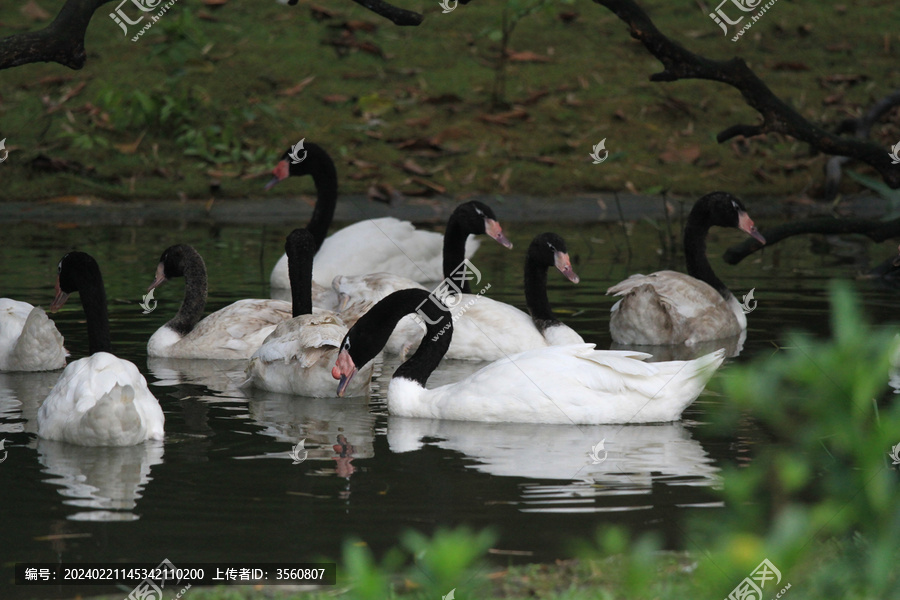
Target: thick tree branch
x,y
777,116
62,41
397,16
877,231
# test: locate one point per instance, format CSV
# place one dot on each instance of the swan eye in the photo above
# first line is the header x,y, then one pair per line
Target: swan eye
x,y
59,268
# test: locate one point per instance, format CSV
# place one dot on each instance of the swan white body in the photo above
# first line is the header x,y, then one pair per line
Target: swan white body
x,y
483,328
562,384
233,332
101,400
29,340
296,358
668,307
384,244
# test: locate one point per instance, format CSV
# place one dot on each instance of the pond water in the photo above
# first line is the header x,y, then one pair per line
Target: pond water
x,y
222,486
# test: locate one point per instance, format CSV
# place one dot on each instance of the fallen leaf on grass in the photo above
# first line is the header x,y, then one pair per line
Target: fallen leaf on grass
x,y
526,56
685,155
34,12
411,166
73,91
335,99
432,186
518,114
420,144
294,90
132,147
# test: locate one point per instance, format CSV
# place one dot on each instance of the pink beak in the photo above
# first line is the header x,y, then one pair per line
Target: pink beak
x,y
280,172
745,224
565,266
60,298
493,229
344,370
160,277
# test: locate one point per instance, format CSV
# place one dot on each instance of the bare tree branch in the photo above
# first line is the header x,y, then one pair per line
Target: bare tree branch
x,y
398,16
877,231
62,41
777,116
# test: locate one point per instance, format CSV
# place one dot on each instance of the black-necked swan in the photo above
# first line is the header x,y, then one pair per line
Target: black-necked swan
x,y
484,328
668,307
99,400
233,332
29,340
556,384
384,244
296,358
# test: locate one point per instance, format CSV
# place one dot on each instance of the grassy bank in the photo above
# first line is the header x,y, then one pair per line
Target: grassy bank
x,y
205,101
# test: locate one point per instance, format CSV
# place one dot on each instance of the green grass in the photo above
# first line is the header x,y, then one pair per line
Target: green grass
x,y
203,89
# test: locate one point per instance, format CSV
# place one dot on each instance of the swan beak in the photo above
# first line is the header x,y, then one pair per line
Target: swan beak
x,y
160,277
59,300
745,224
280,172
565,266
344,370
493,229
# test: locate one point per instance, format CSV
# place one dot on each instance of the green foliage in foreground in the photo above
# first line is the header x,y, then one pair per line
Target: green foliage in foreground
x,y
821,503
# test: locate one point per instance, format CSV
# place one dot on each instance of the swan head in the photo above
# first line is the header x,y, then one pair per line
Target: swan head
x,y
477,218
173,262
549,250
74,272
726,210
344,369
295,162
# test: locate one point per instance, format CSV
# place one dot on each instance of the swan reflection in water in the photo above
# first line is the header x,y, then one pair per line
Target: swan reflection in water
x,y
107,480
334,429
593,477
221,377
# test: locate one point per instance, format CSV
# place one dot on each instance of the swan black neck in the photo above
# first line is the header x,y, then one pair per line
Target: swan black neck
x,y
300,248
454,254
80,272
371,332
324,175
184,261
536,294
695,231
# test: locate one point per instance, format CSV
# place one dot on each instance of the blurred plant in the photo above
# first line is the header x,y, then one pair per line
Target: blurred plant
x,y
876,185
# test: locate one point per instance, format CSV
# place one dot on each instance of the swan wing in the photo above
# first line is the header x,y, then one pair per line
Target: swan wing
x,y
29,340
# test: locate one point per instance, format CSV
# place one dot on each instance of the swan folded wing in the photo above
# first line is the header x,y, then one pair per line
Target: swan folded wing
x,y
40,345
305,340
681,293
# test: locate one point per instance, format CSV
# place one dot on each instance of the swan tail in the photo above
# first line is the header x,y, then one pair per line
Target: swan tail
x,y
40,346
114,420
642,316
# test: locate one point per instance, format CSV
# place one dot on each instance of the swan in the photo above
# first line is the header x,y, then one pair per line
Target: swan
x,y
668,307
557,384
29,340
384,244
233,332
483,328
99,400
296,357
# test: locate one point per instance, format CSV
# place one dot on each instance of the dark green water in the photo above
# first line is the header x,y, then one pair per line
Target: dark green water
x,y
222,486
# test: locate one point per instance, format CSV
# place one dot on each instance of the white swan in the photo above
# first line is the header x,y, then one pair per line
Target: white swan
x,y
483,328
99,400
557,384
233,332
29,340
296,357
668,307
385,244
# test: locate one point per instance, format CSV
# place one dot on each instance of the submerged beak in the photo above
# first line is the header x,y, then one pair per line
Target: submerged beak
x,y
565,266
280,172
160,277
60,298
344,370
493,229
745,224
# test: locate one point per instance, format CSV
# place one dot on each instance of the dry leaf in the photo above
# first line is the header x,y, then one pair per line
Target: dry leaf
x,y
411,166
335,99
293,91
505,118
132,147
526,56
33,12
684,155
